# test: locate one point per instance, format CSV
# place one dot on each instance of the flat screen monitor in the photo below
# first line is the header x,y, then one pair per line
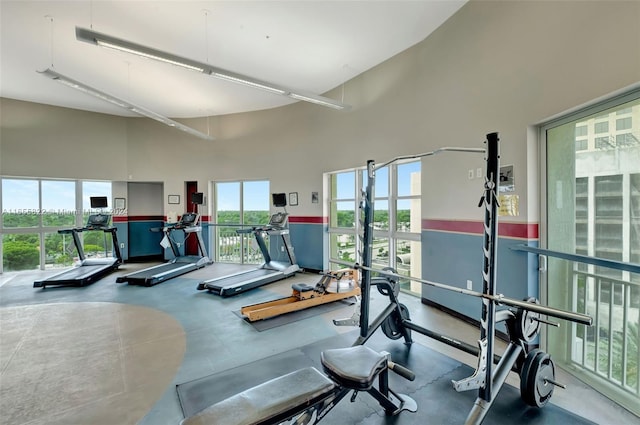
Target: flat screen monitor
x,y
98,202
197,198
279,199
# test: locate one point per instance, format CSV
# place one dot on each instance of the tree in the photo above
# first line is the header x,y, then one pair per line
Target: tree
x,y
20,255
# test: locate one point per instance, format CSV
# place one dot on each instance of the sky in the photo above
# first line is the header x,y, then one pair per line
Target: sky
x,y
57,195
346,183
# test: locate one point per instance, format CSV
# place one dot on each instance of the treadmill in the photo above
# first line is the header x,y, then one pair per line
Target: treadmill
x,y
269,271
89,269
181,264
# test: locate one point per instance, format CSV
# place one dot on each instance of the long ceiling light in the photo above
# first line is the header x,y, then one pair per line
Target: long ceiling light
x,y
121,103
93,37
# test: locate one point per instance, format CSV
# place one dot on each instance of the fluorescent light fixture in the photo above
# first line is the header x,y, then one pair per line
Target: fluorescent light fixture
x,y
104,40
318,100
255,84
69,82
147,55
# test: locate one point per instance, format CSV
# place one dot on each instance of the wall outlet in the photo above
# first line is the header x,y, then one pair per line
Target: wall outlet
x,y
122,245
469,285
478,173
470,174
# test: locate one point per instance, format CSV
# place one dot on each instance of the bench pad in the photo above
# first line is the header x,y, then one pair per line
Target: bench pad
x,y
266,400
355,367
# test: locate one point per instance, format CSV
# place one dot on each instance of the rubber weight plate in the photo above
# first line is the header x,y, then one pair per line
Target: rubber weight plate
x,y
527,325
392,325
538,368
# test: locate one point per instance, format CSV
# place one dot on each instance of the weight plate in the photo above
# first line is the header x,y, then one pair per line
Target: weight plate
x,y
392,281
538,369
392,325
524,375
527,327
543,388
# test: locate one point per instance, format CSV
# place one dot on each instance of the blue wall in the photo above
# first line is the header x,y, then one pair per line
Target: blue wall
x,y
308,243
453,258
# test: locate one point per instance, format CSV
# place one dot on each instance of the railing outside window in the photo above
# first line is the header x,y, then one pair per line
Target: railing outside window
x,y
607,354
609,348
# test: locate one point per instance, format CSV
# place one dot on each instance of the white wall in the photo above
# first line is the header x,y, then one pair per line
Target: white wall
x,y
494,66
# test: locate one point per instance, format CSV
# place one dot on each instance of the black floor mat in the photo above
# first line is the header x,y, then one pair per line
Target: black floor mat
x,y
438,402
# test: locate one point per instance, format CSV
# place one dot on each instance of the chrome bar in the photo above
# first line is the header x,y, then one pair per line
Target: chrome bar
x,y
499,298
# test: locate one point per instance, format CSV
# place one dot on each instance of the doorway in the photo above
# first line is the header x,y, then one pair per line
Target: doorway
x,y
191,188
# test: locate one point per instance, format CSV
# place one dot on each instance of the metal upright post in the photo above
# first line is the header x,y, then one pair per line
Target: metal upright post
x,y
490,246
367,242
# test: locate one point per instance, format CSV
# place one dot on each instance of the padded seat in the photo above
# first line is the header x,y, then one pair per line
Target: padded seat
x,y
353,367
260,404
302,287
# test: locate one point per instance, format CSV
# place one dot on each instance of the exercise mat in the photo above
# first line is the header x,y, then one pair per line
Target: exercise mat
x,y
438,402
294,316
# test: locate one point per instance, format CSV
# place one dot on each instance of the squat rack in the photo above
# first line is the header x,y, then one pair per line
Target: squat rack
x,y
535,367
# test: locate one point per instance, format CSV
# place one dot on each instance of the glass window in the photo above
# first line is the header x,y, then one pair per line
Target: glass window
x,y
382,183
408,260
60,250
343,215
603,143
593,208
581,130
396,218
380,253
626,139
381,215
255,202
240,203
408,218
228,203
43,207
20,251
58,203
343,247
623,123
20,203
409,179
582,145
634,223
343,185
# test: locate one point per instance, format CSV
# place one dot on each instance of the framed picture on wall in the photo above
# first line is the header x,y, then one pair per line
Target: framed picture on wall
x,y
174,199
293,198
119,203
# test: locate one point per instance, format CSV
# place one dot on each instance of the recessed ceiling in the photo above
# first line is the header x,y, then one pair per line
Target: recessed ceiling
x,y
314,46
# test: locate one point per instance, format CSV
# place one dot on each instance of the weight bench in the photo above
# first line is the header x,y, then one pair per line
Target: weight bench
x,y
353,368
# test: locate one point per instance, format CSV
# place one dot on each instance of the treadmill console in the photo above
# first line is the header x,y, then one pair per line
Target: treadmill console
x,y
189,219
98,221
278,220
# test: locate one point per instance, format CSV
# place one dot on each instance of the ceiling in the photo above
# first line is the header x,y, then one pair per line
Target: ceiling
x,y
313,46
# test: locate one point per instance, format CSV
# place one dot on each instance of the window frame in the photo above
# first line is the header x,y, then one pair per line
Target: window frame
x,y
391,233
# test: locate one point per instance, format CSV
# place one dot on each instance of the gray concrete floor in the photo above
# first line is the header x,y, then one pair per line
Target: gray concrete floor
x,y
113,353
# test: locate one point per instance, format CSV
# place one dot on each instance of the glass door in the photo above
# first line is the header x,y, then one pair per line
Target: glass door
x,y
239,205
593,209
